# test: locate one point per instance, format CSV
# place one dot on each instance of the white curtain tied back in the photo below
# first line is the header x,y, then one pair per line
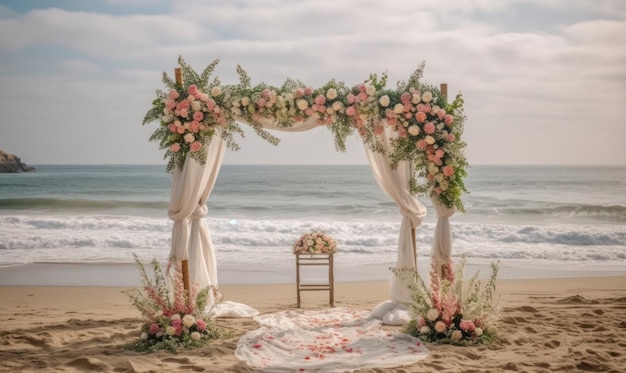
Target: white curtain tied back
x,y
442,242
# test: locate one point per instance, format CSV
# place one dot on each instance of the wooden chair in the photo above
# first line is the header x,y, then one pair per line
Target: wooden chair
x,y
316,260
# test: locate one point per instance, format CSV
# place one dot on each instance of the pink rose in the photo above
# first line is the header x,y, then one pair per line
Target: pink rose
x,y
362,96
440,153
256,117
200,324
441,114
351,98
362,88
429,128
448,119
438,190
427,108
451,137
421,144
192,90
420,116
299,92
389,113
378,130
198,116
260,102
180,130
210,104
154,328
195,146
448,170
350,111
405,98
171,127
183,113
467,326
320,100
308,90
183,105
173,94
195,125
170,104
176,323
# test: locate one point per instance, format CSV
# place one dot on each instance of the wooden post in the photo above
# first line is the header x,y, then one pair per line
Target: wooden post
x,y
443,87
414,246
178,73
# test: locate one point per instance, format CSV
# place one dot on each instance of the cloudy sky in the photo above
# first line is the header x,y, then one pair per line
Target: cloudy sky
x,y
544,80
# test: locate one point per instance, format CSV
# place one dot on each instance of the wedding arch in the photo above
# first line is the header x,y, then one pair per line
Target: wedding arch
x,y
412,138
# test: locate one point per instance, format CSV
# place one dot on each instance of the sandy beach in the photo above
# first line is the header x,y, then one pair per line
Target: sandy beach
x,y
546,325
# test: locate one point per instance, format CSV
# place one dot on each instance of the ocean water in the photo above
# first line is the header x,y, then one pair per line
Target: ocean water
x,y
535,220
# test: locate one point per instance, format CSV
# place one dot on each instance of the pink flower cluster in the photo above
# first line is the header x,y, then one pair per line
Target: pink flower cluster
x,y
444,320
315,243
188,115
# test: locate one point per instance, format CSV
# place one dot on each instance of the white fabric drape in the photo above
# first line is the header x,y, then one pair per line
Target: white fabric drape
x,y
442,242
191,239
395,182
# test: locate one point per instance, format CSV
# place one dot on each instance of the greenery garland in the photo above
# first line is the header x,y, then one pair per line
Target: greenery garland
x,y
425,128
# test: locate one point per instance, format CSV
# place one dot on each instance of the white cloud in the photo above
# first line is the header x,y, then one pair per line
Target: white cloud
x,y
529,88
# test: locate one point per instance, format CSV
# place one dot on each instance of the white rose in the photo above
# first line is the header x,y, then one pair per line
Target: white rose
x,y
144,336
189,138
478,332
175,317
331,94
384,101
236,111
370,90
245,101
196,106
440,327
415,98
427,97
302,104
440,126
215,91
195,336
434,110
191,98
424,330
337,105
432,168
429,140
456,335
167,111
188,320
329,111
398,109
170,330
236,103
432,314
414,130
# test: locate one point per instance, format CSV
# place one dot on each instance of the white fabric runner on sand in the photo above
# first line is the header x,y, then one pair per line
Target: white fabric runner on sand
x,y
329,340
233,309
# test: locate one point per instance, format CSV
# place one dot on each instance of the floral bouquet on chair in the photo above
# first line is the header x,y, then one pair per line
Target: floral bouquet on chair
x,y
315,243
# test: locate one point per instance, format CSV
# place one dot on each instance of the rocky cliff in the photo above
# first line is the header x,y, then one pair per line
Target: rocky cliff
x,y
11,163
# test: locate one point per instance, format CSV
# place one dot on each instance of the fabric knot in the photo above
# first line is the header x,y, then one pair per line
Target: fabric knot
x,y
200,212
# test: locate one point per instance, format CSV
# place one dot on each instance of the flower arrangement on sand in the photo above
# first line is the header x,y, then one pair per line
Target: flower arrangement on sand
x,y
172,317
451,310
315,243
424,127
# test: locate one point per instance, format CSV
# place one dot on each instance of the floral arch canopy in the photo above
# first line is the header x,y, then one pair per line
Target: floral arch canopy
x,y
412,136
